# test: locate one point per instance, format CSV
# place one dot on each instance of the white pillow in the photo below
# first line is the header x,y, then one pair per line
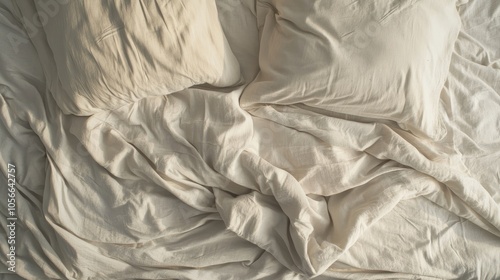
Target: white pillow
x,y
99,55
382,60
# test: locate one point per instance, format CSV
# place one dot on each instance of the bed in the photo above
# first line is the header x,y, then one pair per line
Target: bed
x,y
250,139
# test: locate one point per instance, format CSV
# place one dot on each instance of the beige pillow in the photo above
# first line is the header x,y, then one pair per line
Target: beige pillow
x,y
379,60
99,55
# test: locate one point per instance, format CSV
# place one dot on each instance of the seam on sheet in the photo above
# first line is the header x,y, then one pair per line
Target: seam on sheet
x,y
398,9
108,32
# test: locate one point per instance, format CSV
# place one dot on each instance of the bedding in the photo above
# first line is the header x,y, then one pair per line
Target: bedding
x,y
202,184
383,60
100,56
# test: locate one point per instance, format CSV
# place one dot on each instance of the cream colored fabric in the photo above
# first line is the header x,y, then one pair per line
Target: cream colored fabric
x,y
191,186
383,60
102,55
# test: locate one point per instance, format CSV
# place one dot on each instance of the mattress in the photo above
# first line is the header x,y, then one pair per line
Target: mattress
x,y
251,175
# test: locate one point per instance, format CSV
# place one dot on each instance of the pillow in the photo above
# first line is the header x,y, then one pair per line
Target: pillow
x,y
99,55
382,60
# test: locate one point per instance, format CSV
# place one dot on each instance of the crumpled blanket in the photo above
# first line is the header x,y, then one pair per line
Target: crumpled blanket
x,y
192,186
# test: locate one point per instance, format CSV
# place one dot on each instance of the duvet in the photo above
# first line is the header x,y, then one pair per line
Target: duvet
x,y
251,139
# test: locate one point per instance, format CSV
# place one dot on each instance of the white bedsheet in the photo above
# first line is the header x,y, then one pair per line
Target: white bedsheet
x,y
191,186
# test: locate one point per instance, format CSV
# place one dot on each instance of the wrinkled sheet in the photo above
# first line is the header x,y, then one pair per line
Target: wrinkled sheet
x,y
191,186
